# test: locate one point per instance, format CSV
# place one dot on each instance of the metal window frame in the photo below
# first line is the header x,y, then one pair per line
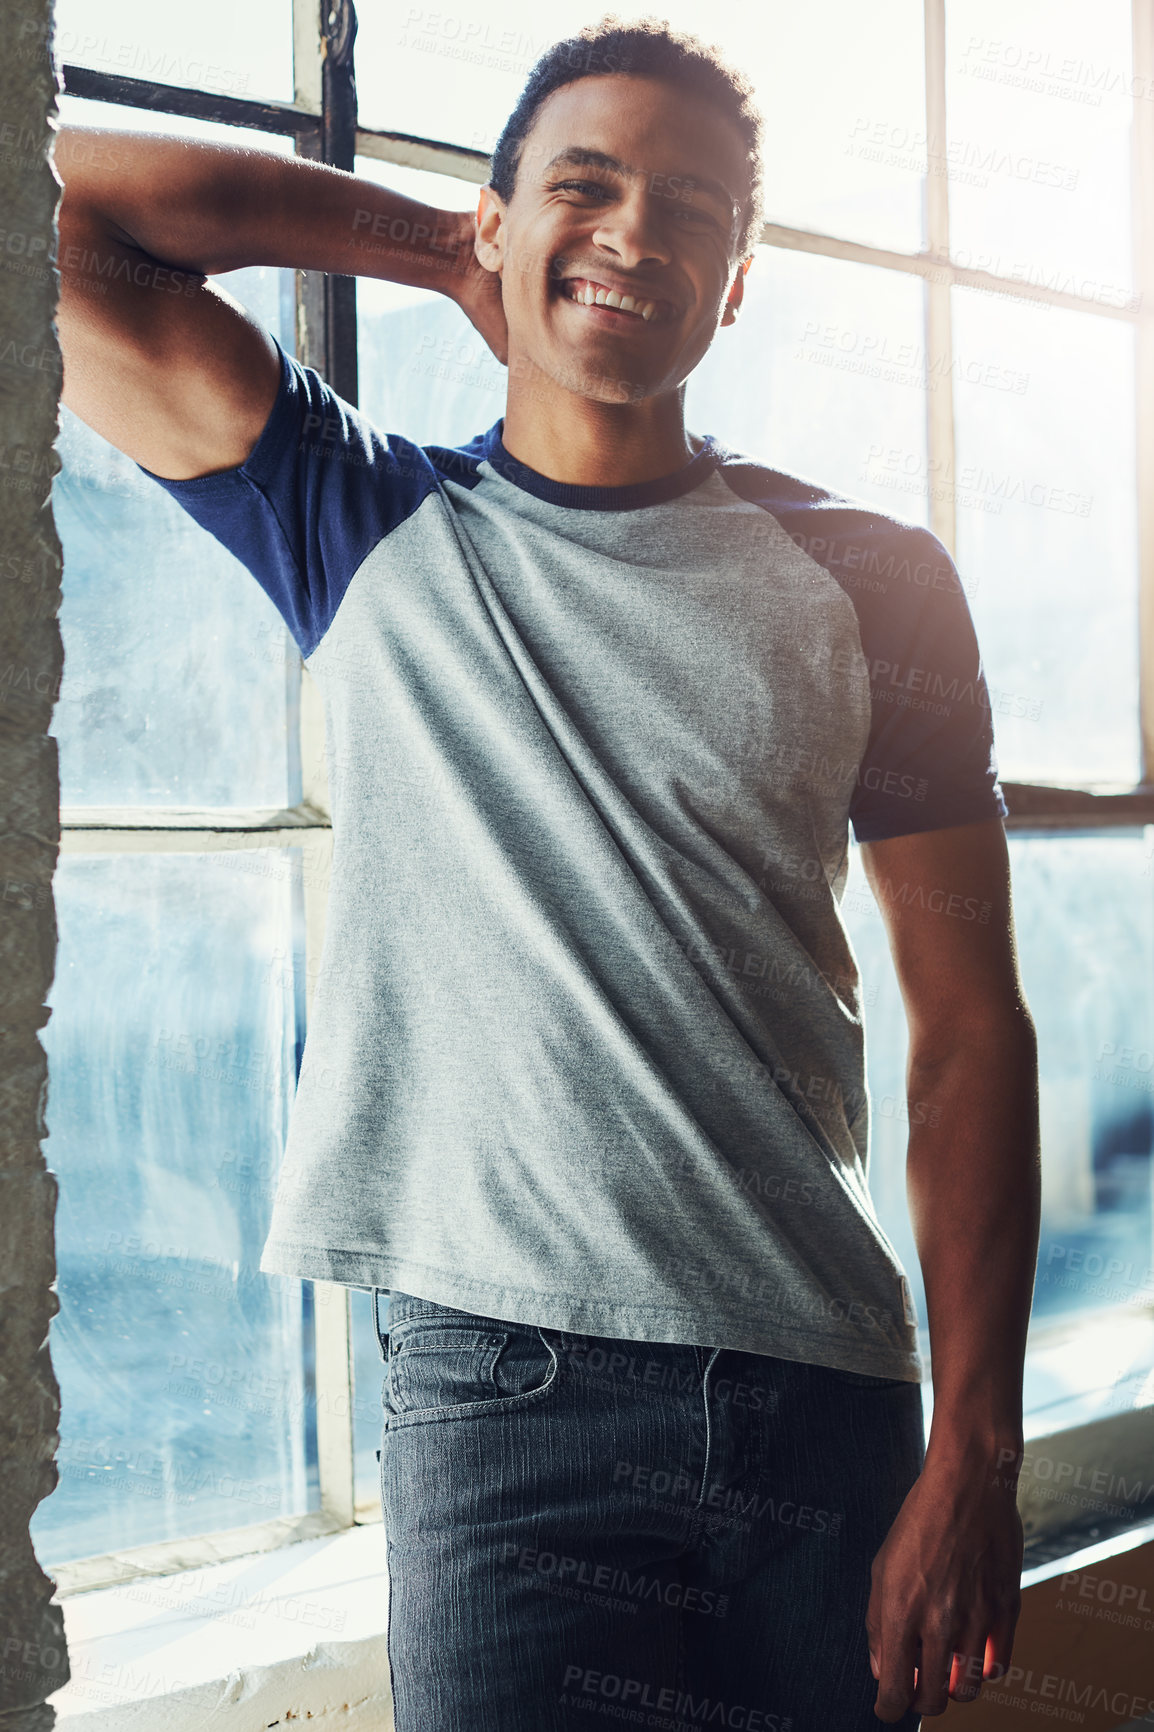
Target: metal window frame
x,y
322,120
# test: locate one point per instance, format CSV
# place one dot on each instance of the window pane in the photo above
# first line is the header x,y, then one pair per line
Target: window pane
x,y
368,1415
1039,98
823,375
1084,913
845,127
180,679
214,45
177,1011
1047,534
425,371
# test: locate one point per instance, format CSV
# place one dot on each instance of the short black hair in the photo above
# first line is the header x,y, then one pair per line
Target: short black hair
x,y
647,48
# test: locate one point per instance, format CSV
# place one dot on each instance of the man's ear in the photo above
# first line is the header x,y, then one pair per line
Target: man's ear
x,y
734,298
489,241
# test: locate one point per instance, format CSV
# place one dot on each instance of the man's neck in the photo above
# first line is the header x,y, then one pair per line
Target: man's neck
x,y
592,444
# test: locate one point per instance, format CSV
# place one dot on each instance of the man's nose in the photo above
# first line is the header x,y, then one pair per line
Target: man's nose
x,y
632,229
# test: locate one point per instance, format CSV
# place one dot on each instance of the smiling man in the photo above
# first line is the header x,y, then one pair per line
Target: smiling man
x,y
584,1086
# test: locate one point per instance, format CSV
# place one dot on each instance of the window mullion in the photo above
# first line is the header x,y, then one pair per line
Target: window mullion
x,y
939,326
327,305
1143,231
332,1311
326,340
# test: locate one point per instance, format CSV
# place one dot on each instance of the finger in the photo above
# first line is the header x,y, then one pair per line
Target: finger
x,y
968,1668
874,1625
874,1639
1000,1643
897,1658
932,1693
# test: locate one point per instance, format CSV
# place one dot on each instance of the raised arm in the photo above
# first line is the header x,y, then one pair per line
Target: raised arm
x,y
162,362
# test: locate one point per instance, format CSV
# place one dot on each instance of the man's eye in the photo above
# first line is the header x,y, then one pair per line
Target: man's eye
x,y
588,186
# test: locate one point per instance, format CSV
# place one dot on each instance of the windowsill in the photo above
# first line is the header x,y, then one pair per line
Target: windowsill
x,y
297,1633
293,1634
1115,1547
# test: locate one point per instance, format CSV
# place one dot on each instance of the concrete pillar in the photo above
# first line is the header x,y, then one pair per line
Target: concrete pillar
x,y
33,1657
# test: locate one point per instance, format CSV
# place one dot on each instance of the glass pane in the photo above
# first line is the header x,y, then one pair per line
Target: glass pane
x,y
845,125
180,679
368,1417
214,45
1039,97
425,372
1047,533
177,1012
1084,913
823,375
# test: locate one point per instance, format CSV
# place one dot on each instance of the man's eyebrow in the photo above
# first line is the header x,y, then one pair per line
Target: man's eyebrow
x,y
581,156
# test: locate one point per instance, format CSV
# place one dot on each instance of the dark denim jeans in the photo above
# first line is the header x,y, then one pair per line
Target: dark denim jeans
x,y
584,1530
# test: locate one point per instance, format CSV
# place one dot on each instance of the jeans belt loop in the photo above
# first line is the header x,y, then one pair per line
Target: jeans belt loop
x,y
382,1333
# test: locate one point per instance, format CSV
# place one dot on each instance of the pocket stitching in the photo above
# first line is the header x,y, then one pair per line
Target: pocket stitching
x,y
491,1405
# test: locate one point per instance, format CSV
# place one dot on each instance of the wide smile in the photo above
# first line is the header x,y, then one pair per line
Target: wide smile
x,y
611,306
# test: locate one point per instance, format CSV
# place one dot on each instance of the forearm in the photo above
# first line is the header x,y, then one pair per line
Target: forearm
x,y
973,1184
210,208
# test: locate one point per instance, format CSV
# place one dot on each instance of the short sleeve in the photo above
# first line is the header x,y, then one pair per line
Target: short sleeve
x,y
930,760
320,488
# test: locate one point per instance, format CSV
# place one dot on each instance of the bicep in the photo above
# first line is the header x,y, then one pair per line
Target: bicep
x,y
946,901
165,366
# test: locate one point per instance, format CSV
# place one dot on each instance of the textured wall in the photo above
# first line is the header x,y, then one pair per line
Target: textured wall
x,y
33,1660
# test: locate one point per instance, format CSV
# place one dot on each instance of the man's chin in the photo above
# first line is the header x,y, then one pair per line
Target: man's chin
x,y
586,375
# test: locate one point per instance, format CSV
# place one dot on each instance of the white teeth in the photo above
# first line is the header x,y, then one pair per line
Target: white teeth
x,y
589,294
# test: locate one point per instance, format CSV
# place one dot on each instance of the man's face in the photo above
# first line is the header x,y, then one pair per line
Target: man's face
x,y
625,185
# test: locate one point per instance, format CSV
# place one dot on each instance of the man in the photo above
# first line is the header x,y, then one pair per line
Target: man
x,y
584,1085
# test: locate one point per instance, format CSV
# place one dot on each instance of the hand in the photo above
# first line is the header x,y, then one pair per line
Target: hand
x,y
946,1591
477,292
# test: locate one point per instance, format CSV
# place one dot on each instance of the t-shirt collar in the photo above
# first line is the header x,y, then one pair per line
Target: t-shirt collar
x,y
629,497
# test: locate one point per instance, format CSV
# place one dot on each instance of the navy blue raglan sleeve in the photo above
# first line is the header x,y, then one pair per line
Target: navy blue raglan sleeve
x,y
320,488
930,759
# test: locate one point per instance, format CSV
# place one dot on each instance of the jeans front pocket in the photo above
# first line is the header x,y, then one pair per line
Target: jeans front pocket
x,y
442,1369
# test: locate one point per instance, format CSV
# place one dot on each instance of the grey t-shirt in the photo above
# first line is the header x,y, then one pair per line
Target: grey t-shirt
x,y
586,1048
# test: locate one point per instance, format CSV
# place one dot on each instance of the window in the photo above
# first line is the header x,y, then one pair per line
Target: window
x,y
944,319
